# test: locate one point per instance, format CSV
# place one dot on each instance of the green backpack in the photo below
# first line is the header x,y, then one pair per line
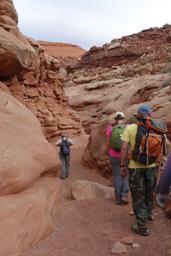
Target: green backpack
x,y
115,139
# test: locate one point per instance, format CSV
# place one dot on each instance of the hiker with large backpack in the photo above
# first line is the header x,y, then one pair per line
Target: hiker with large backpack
x,y
114,143
64,144
146,141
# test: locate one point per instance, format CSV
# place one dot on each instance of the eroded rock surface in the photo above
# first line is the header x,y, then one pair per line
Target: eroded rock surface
x,y
145,51
25,153
27,217
27,199
34,77
30,87
118,77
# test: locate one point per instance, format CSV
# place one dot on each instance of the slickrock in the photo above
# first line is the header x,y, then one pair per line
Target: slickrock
x,y
27,217
33,77
27,200
25,153
30,86
139,61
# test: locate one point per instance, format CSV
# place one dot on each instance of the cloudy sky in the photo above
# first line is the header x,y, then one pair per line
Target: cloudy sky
x,y
89,22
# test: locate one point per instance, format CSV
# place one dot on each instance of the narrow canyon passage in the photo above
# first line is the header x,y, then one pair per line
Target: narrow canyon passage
x,y
91,227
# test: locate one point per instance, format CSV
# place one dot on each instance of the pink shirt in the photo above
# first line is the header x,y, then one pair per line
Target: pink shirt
x,y
112,152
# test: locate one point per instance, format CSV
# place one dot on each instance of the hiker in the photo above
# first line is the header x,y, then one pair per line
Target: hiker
x,y
146,150
113,134
164,184
64,154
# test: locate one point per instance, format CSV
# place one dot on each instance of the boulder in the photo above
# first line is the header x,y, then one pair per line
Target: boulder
x,y
16,55
25,153
94,158
82,190
27,217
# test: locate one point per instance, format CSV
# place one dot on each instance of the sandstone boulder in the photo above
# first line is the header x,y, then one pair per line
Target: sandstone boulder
x,y
8,14
82,190
95,154
25,153
27,217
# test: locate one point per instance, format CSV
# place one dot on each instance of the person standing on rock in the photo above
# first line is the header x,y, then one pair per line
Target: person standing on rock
x,y
114,134
64,154
145,139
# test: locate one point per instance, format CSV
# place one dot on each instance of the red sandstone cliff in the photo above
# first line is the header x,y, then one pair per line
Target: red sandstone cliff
x,y
67,54
118,77
62,49
149,46
30,86
33,77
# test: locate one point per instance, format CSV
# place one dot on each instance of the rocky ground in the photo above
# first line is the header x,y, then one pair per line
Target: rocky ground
x,y
91,227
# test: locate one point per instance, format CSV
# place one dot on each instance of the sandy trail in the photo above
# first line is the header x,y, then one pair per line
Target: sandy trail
x,y
91,227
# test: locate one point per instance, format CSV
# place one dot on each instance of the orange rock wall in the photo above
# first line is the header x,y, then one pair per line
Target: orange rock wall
x,y
33,77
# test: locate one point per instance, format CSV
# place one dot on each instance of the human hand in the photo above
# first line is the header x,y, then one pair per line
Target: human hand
x,y
123,170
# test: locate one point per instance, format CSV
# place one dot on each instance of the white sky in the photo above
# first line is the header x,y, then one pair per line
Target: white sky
x,y
89,22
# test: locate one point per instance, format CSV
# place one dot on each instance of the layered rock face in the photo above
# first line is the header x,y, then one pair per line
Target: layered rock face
x,y
62,50
33,77
67,54
29,192
29,189
147,50
118,77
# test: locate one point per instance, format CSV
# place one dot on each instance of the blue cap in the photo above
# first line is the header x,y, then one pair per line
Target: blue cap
x,y
144,110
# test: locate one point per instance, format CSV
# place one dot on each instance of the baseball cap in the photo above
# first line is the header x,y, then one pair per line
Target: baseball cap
x,y
144,110
119,115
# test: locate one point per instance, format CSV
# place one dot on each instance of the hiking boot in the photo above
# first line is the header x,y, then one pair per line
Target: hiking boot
x,y
143,231
124,200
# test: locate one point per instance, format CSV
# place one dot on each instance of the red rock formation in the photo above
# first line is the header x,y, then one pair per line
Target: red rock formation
x,y
28,197
118,77
149,46
33,77
67,54
62,49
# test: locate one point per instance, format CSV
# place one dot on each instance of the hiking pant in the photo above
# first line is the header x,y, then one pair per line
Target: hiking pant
x,y
165,179
120,183
141,182
65,165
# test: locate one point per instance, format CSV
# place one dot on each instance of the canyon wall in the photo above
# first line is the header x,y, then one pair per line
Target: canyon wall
x,y
67,54
120,76
34,77
31,88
